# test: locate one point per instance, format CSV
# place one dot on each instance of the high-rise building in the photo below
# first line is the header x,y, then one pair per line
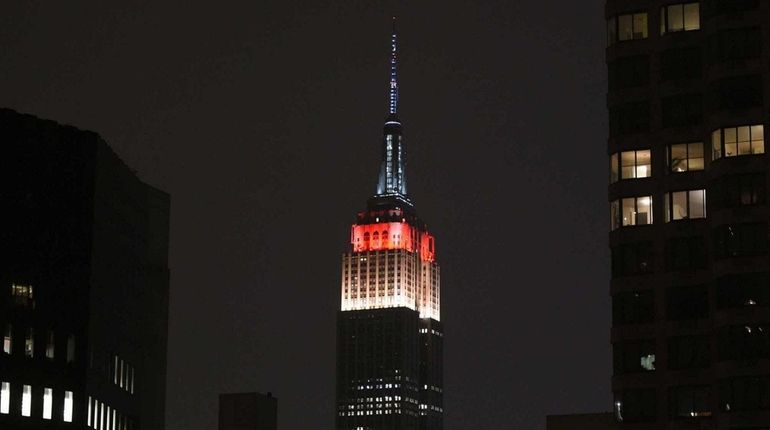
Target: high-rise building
x,y
83,283
248,411
689,106
389,339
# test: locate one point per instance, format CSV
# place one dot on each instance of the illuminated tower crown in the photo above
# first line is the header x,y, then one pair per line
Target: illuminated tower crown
x,y
409,276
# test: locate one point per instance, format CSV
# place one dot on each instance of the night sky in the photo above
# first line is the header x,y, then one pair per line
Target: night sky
x,y
263,121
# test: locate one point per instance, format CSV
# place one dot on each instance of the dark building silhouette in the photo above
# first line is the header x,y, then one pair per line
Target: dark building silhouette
x,y
688,106
389,339
84,283
600,421
248,411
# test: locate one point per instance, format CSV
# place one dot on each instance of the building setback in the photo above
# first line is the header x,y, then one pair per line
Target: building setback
x,y
248,411
389,334
84,283
689,85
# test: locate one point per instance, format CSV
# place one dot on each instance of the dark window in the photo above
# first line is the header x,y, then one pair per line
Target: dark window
x,y
685,253
736,44
746,289
680,64
686,303
630,118
635,307
633,356
740,240
688,352
738,190
636,405
744,342
690,401
632,259
741,92
728,7
629,72
682,110
745,393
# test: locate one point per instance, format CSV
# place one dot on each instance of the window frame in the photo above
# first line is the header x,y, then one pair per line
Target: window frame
x,y
718,148
613,27
666,25
668,205
687,159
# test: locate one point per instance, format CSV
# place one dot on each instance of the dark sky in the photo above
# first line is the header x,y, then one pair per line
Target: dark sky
x,y
263,121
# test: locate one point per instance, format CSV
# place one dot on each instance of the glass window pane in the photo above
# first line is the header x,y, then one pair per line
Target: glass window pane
x,y
614,168
667,206
757,139
643,164
7,338
50,346
698,204
644,210
692,16
640,26
625,27
675,18
615,214
629,211
68,406
678,158
743,134
627,163
47,403
716,143
5,398
29,343
26,401
679,205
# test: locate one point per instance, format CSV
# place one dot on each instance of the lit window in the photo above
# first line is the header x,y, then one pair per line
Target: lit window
x,y
635,164
26,401
68,406
735,141
29,343
47,403
90,412
50,346
5,398
680,17
8,339
685,205
22,291
684,157
627,27
631,211
109,414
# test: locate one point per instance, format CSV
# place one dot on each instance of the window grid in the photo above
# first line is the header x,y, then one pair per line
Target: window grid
x,y
736,141
689,204
680,17
685,157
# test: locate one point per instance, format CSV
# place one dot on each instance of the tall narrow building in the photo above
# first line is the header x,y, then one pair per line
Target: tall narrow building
x,y
389,339
689,107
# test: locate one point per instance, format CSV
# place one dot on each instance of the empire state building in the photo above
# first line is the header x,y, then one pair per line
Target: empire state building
x,y
389,334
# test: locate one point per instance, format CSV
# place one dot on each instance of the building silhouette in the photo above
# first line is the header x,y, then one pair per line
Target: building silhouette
x,y
248,411
83,283
688,107
389,338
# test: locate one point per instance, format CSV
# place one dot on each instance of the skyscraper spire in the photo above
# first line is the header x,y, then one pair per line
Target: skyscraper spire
x,y
392,179
393,101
